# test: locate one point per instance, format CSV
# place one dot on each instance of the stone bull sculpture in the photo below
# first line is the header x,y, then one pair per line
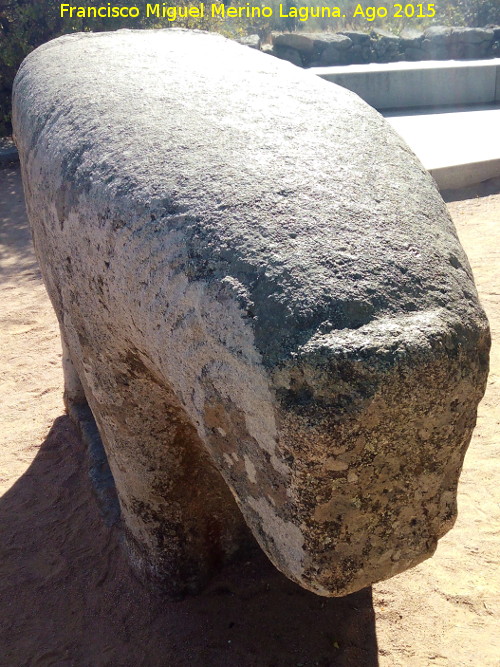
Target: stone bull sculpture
x,y
262,298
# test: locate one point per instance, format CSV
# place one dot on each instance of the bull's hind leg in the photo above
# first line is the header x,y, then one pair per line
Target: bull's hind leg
x,y
80,413
180,519
74,394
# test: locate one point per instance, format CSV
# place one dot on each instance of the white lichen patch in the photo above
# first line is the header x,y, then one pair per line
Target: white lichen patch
x,y
336,465
228,460
251,471
286,536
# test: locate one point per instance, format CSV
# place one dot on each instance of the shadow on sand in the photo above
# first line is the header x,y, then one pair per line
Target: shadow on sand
x,y
16,253
69,597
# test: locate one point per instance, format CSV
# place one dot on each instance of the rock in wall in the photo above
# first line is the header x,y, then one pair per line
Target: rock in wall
x,y
381,46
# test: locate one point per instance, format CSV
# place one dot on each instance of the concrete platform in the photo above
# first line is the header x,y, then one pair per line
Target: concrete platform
x,y
403,85
458,146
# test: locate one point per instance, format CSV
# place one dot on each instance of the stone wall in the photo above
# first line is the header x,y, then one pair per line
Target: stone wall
x,y
381,46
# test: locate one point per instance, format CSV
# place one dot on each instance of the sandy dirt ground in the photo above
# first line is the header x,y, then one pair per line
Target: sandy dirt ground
x,y
67,596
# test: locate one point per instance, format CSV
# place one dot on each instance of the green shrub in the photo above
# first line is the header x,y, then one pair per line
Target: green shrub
x,y
25,24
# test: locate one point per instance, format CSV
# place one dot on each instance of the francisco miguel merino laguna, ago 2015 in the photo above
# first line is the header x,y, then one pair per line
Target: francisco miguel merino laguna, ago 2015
x,y
302,13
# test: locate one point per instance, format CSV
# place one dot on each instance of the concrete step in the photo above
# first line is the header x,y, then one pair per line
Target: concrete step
x,y
458,146
404,85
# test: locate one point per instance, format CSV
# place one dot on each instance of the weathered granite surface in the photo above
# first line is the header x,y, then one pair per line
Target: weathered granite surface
x,y
263,299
